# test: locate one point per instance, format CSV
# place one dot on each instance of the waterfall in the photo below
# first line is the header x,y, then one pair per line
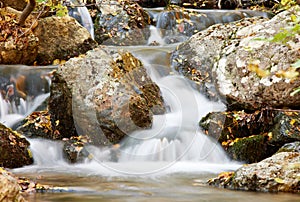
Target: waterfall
x,y
11,114
82,15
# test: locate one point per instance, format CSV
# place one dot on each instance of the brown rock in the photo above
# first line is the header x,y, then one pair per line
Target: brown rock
x,y
14,149
61,38
9,188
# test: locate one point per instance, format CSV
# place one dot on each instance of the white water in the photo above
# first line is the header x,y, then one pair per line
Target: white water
x,y
174,144
10,114
84,16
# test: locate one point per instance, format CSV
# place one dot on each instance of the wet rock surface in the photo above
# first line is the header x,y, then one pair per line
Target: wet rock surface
x,y
14,149
290,147
38,124
121,23
74,149
252,137
279,173
112,95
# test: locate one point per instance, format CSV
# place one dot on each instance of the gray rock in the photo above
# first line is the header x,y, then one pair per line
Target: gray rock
x,y
247,73
121,23
279,173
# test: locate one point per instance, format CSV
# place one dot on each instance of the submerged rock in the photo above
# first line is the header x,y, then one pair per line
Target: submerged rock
x,y
251,137
279,173
14,149
112,95
9,188
61,38
121,23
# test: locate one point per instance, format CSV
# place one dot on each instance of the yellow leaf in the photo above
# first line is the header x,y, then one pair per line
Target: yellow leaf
x,y
56,122
294,18
292,121
279,181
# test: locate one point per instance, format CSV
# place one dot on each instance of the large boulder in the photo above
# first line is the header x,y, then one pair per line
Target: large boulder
x,y
61,38
18,45
252,137
111,95
121,23
241,63
14,149
9,188
195,58
279,173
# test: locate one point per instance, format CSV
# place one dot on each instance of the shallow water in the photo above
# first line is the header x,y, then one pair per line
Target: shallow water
x,y
173,165
167,188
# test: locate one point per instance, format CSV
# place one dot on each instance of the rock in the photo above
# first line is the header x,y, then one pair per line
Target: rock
x,y
258,72
290,147
38,124
18,45
61,38
14,149
121,23
151,3
279,173
16,4
74,149
246,72
200,4
251,137
112,95
195,58
9,188
61,98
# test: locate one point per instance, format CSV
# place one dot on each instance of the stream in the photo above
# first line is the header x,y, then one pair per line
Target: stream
x,y
169,162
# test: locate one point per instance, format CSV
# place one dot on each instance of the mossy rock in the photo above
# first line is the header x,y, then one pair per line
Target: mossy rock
x,y
249,149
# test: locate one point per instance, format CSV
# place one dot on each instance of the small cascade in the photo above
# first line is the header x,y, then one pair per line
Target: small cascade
x,y
23,90
11,114
82,15
175,136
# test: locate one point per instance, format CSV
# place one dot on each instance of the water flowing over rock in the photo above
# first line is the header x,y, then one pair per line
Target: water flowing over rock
x,y
247,73
252,137
121,23
177,21
290,147
111,87
9,189
14,149
61,38
279,173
